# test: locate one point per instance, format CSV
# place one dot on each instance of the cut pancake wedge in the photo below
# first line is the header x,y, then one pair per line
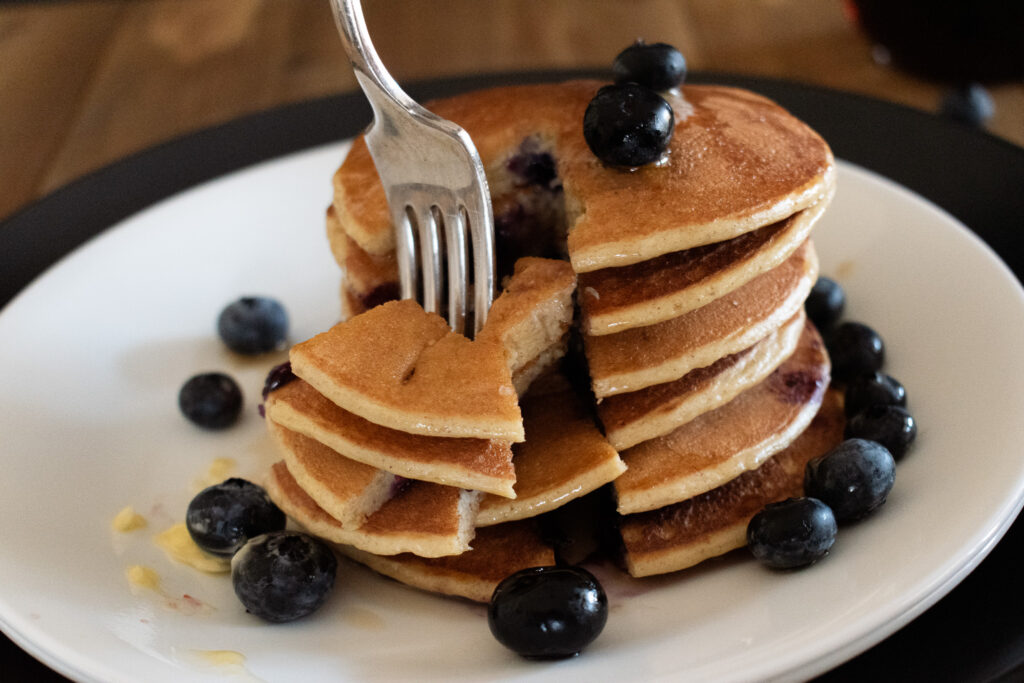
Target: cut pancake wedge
x,y
481,464
666,287
645,356
722,444
498,551
564,457
638,416
424,519
398,366
679,536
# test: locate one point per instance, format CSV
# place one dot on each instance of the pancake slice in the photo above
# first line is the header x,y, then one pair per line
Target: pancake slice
x,y
424,519
400,367
666,287
347,490
642,415
720,445
481,464
563,458
679,536
498,551
645,356
531,317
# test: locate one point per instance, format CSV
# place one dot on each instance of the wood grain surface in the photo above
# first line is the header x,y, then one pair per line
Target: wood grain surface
x,y
85,83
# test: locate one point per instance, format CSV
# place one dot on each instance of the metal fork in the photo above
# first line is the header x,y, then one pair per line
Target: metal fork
x,y
434,183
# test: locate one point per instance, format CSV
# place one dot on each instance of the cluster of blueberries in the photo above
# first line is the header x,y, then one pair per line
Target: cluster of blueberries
x,y
630,124
278,575
853,479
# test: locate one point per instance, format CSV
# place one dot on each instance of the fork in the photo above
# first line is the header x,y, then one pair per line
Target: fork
x,y
434,183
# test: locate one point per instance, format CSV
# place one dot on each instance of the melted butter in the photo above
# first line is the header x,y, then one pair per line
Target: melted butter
x,y
227,658
144,577
178,544
128,520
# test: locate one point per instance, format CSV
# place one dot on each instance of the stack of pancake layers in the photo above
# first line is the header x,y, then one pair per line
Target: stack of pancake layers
x,y
405,443
691,278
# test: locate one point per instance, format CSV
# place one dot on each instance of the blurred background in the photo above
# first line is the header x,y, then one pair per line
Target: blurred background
x,y
86,82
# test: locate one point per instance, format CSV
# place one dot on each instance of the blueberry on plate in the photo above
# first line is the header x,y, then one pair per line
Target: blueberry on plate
x,y
892,426
658,66
221,518
853,479
793,533
548,612
211,400
283,575
628,125
855,349
253,325
876,388
825,303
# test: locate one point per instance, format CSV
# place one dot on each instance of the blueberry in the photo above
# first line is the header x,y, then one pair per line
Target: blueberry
x,y
853,478
892,426
657,66
283,575
793,533
970,104
548,612
211,400
825,303
855,349
253,325
278,376
871,389
628,125
221,518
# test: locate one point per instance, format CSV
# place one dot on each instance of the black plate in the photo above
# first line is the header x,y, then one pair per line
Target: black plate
x,y
976,633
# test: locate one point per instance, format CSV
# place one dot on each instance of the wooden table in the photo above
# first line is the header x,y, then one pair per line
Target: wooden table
x,y
85,83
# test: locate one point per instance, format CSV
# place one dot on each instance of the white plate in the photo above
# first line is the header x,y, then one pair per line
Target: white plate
x,y
93,353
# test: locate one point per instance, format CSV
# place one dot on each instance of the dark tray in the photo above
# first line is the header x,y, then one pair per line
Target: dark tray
x,y
975,633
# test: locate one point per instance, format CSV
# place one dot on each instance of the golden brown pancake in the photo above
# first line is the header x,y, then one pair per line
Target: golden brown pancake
x,y
347,490
668,286
736,162
498,551
531,317
401,367
722,444
645,356
564,457
480,464
654,411
681,535
425,519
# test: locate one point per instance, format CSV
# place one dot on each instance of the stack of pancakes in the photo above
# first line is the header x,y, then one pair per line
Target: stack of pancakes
x,y
692,273
405,444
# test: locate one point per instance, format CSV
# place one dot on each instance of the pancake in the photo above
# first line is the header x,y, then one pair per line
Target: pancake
x,y
736,162
638,416
531,317
564,457
374,276
679,536
401,367
425,519
498,551
347,490
480,464
645,356
666,287
722,444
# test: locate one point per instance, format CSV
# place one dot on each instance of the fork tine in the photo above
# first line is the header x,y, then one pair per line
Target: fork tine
x,y
430,257
455,240
405,249
480,220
